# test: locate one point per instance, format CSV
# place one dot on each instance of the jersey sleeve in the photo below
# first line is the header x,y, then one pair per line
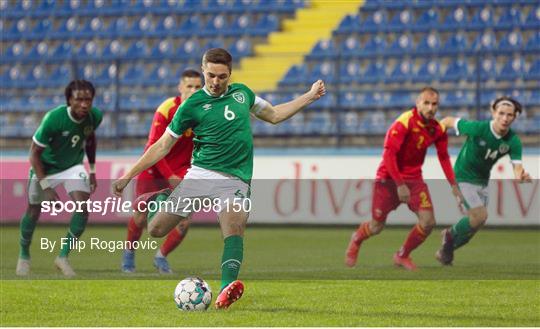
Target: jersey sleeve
x,y
392,144
45,132
444,158
97,117
159,124
182,120
469,128
515,150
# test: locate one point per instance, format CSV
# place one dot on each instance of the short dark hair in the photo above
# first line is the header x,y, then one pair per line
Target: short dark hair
x,y
218,56
78,84
430,89
517,105
191,73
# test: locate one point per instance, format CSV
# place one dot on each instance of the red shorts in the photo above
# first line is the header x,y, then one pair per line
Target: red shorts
x,y
146,182
385,198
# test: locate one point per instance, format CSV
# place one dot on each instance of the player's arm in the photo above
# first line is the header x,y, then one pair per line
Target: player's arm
x,y
278,113
515,156
90,149
39,171
444,159
154,153
392,144
520,174
449,122
159,124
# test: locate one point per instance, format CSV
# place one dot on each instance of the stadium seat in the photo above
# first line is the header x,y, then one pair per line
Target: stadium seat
x,y
533,73
241,48
488,67
349,24
350,47
509,19
456,71
482,19
320,123
349,72
119,27
162,49
42,29
68,28
62,51
533,18
533,44
191,26
512,41
374,46
349,122
401,46
138,49
485,41
160,75
92,28
459,98
61,75
486,97
14,52
216,26
265,25
402,21
456,43
350,99
427,21
428,72
113,50
377,21
142,27
19,30
39,52
402,72
189,50
429,44
375,72
242,23
133,75
456,19
45,8
165,27
324,49
214,43
297,74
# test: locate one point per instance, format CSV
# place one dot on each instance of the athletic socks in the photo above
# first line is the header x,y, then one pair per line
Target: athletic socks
x,y
134,231
27,227
76,229
233,253
362,233
174,238
416,236
462,232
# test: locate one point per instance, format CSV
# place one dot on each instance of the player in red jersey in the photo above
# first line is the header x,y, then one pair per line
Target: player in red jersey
x,y
399,177
164,174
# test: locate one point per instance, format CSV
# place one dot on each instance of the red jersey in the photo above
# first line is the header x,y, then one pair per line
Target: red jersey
x,y
405,148
179,158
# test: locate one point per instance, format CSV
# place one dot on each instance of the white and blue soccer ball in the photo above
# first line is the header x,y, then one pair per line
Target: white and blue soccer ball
x,y
192,294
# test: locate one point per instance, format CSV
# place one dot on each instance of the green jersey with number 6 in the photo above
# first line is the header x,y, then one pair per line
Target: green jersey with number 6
x,y
223,140
63,137
482,149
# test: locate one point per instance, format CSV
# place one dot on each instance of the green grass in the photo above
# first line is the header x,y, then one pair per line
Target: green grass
x,y
293,277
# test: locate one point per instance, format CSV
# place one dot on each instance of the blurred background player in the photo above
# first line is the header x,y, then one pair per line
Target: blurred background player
x,y
399,177
487,142
222,165
167,172
56,157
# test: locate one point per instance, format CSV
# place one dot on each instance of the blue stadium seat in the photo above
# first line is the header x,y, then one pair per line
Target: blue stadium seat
x,y
458,98
214,43
142,27
138,49
349,24
350,99
349,72
11,77
166,26
265,25
402,21
241,48
107,76
68,28
533,74
242,23
320,123
35,77
190,49
512,41
297,74
430,44
133,75
399,99
45,8
325,48
375,72
191,26
160,75
94,27
486,97
533,18
456,71
488,66
401,46
533,44
427,21
482,19
42,29
216,26
19,30
377,21
374,46
509,19
15,52
327,102
88,72
349,122
485,42
456,19
39,52
350,47
162,49
113,50
456,43
428,71
402,72
62,51
119,27
89,50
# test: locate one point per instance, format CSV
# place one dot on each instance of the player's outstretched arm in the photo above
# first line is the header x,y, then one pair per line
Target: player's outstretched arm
x,y
520,174
39,171
154,153
281,112
448,122
90,149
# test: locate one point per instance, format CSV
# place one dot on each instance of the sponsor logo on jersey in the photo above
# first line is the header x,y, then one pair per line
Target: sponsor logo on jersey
x,y
503,148
482,142
65,133
239,97
206,107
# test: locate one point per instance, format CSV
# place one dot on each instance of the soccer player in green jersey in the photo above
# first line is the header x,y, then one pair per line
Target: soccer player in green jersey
x,y
487,142
56,156
222,164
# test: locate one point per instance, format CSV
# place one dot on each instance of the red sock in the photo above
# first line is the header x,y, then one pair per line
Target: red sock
x,y
174,238
362,233
415,238
134,231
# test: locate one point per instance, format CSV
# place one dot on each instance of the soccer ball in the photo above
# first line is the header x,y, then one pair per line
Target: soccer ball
x,y
192,294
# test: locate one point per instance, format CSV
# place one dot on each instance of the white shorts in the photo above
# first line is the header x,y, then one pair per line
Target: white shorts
x,y
208,185
73,179
475,195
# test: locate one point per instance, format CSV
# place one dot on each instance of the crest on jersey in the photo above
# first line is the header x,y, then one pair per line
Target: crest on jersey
x,y
503,148
482,142
88,130
206,107
239,97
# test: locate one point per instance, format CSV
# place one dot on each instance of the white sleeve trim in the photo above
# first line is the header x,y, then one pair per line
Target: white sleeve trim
x,y
259,105
172,133
516,161
456,126
38,142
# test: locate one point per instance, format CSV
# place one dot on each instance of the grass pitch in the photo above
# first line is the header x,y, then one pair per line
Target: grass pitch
x,y
293,277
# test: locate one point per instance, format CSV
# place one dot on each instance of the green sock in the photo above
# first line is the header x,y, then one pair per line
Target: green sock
x,y
233,253
27,227
76,229
462,232
159,198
